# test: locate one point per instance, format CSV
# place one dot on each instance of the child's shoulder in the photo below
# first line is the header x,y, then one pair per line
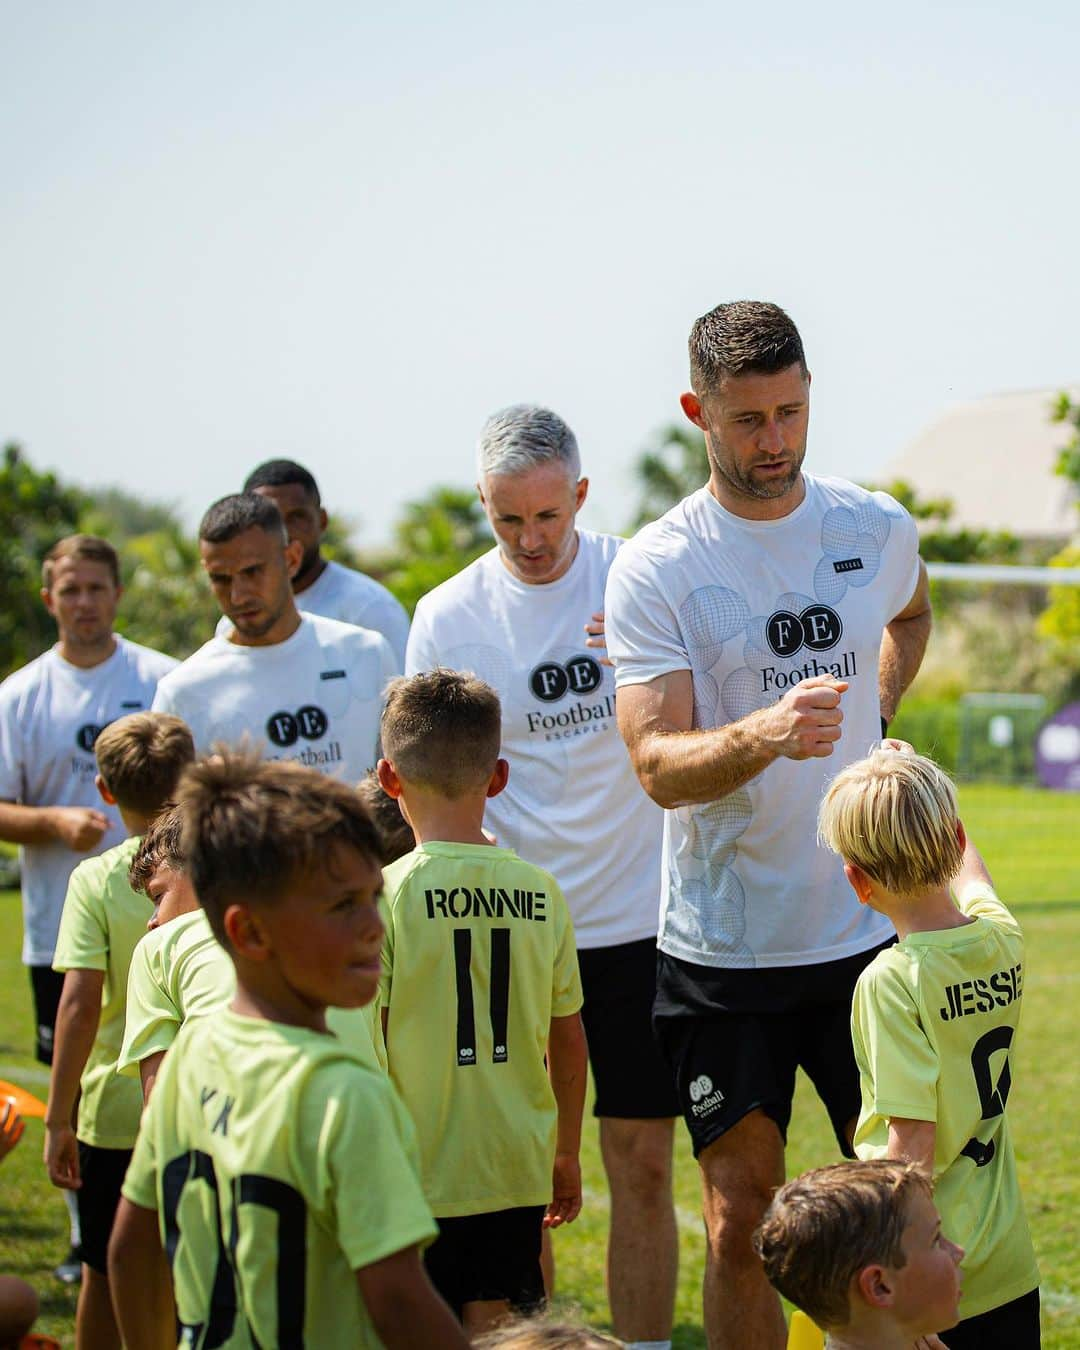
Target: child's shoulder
x,y
105,868
979,900
439,863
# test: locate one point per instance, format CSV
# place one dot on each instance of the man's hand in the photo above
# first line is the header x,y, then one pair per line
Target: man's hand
x,y
597,636
62,1156
79,828
805,723
565,1191
11,1126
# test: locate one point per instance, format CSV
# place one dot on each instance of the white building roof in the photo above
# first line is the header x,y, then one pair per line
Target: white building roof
x,y
995,459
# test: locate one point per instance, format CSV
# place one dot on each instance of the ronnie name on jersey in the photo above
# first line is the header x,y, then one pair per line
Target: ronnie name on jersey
x,y
493,902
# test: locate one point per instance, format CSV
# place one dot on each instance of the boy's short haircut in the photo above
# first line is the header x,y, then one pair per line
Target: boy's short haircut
x,y
541,1333
442,730
141,757
395,834
160,846
894,815
822,1228
252,826
283,473
88,548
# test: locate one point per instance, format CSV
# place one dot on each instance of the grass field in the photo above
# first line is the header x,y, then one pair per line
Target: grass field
x,y
1032,843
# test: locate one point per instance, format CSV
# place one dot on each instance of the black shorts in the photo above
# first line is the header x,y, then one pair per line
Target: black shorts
x,y
489,1257
48,985
1013,1326
102,1171
632,1080
734,1039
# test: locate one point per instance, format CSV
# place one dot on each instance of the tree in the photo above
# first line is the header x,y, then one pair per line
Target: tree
x,y
1060,621
673,467
437,536
35,511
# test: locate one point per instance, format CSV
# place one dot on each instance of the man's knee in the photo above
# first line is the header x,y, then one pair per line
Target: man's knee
x,y
740,1172
637,1156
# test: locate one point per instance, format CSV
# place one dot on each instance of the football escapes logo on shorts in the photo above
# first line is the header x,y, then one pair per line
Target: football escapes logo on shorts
x,y
551,681
817,628
704,1100
310,722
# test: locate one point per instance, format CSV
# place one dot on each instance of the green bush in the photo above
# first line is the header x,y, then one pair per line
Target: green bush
x,y
933,728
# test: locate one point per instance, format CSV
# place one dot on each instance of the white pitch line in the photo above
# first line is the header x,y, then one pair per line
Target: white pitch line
x,y
14,1074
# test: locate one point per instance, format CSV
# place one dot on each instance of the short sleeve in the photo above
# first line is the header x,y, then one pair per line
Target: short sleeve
x,y
420,652
389,617
566,995
83,940
897,1063
377,1209
904,557
386,980
152,1018
643,636
163,698
11,749
140,1182
979,901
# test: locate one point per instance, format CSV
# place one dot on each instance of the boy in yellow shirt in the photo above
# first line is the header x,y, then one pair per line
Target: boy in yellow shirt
x,y
480,982
858,1246
140,758
274,1166
934,1020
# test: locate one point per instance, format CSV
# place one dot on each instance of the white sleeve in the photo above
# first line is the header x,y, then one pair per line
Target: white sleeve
x,y
394,626
643,635
163,698
11,750
420,654
904,558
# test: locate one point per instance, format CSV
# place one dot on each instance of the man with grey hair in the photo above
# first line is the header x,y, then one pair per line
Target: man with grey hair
x,y
527,617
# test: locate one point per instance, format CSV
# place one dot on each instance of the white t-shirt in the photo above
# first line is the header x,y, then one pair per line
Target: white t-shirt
x,y
315,698
351,597
50,715
573,804
750,608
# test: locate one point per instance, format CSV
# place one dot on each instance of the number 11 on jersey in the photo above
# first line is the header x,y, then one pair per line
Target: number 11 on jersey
x,y
498,1003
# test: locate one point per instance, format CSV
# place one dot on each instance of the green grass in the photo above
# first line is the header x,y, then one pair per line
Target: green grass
x,y
1031,840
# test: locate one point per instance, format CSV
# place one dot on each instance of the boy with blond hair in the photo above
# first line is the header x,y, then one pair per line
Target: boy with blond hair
x,y
934,1020
265,1137
858,1247
480,982
88,1146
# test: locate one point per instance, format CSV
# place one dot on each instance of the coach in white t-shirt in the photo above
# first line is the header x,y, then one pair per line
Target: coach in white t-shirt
x,y
762,633
51,712
519,618
320,586
293,686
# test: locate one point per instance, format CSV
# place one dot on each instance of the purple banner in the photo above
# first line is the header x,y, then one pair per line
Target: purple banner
x,y
1057,750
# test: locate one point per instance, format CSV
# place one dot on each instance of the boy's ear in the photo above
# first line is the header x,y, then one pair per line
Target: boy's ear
x,y
104,793
388,779
961,835
874,1286
860,883
500,776
246,935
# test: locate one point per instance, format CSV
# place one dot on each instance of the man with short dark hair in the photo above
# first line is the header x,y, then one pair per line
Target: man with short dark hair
x,y
739,623
51,712
526,618
321,586
296,686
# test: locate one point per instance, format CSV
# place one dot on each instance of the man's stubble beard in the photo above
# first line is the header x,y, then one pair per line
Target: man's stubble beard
x,y
766,490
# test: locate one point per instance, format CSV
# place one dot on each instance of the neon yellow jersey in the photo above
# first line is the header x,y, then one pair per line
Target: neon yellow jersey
x,y
934,1023
102,922
479,957
181,970
279,1165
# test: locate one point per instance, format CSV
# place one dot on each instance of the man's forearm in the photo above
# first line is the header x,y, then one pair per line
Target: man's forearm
x,y
903,644
27,824
683,768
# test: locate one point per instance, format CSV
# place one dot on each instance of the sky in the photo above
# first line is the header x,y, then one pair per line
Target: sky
x,y
346,233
